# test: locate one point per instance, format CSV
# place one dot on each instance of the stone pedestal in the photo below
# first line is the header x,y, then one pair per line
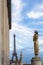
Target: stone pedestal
x,y
21,64
36,61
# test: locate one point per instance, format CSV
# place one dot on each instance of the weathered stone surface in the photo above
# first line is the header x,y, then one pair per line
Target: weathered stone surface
x,y
4,33
36,61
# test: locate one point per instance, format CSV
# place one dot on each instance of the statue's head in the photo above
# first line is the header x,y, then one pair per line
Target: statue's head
x,y
36,32
35,37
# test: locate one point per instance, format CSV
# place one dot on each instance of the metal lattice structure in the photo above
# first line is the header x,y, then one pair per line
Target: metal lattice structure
x,y
14,54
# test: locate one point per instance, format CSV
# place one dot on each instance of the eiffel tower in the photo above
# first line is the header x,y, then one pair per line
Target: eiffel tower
x,y
14,54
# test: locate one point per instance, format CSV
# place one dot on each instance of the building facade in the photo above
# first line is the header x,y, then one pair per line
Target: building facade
x,y
5,25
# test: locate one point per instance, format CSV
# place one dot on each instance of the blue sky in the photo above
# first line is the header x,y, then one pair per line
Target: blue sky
x,y
27,16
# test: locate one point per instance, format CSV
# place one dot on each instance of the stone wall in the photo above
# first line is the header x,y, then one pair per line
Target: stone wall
x,y
4,33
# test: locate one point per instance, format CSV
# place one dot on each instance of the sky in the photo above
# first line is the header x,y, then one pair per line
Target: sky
x,y
27,16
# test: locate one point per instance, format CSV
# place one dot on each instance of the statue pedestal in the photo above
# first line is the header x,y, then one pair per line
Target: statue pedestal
x,y
36,61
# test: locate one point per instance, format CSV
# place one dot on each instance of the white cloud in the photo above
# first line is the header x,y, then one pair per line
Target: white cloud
x,y
19,47
19,40
16,14
23,34
38,23
16,27
11,47
29,50
17,4
17,7
36,12
41,50
38,7
17,10
41,6
40,40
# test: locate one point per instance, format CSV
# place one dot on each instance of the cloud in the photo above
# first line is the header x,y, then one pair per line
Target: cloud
x,y
38,7
16,10
40,40
37,12
20,28
41,50
17,4
34,14
19,47
36,24
11,47
23,34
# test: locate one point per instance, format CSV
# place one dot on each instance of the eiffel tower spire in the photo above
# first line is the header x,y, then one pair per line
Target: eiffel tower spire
x,y
14,53
14,44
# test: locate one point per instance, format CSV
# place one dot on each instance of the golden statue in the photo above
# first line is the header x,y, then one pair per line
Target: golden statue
x,y
35,39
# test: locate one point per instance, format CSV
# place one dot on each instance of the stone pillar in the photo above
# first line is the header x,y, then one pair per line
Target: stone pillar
x,y
4,33
0,33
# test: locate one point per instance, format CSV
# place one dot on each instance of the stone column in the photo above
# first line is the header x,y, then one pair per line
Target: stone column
x,y
4,33
0,32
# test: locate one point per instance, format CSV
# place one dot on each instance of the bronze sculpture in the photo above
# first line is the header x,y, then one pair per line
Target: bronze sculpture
x,y
36,60
35,39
